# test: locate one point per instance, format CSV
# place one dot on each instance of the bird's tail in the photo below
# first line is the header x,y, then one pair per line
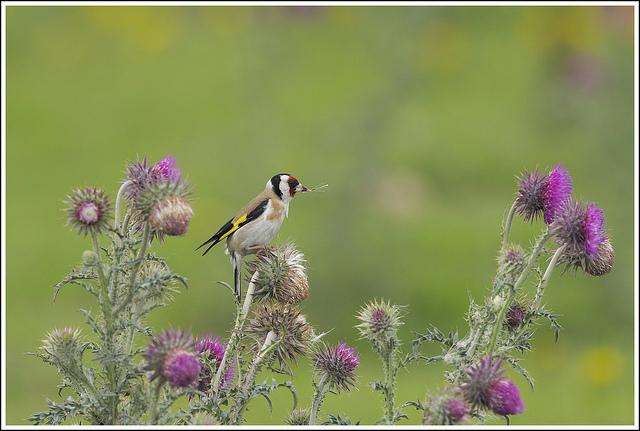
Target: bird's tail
x,y
236,260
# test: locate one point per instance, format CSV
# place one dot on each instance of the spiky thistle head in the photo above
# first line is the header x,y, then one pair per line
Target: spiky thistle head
x,y
212,349
141,176
298,417
379,321
503,398
88,210
542,195
479,378
446,407
336,366
293,333
281,274
512,259
580,230
63,349
167,208
171,356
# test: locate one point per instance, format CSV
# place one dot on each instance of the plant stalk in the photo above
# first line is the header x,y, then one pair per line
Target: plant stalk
x,y
390,374
318,396
250,378
506,227
236,334
119,199
535,252
134,272
544,281
153,406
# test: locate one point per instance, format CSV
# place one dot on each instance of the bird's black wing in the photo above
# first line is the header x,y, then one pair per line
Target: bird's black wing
x,y
233,225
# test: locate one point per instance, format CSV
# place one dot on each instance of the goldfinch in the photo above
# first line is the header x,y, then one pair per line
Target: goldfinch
x,y
257,223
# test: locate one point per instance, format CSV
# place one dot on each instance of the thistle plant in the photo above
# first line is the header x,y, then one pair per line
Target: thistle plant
x,y
109,385
119,371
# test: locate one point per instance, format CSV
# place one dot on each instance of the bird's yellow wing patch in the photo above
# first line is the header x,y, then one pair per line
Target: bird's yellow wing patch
x,y
236,225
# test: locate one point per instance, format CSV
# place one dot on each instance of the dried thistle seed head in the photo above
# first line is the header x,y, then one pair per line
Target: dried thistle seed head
x,y
602,262
281,275
166,346
212,349
515,316
447,407
63,348
336,366
293,333
478,380
171,216
379,320
88,210
298,417
503,398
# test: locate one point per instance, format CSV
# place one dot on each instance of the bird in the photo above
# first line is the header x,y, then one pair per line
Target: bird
x,y
255,225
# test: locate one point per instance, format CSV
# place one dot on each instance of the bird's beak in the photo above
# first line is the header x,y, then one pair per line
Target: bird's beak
x,y
301,188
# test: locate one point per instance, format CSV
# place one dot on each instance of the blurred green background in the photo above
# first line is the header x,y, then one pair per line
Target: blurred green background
x,y
418,118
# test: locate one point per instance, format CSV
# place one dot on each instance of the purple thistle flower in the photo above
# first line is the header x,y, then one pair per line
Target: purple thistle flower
x,y
166,170
557,191
504,398
164,356
594,234
581,230
456,410
530,199
87,210
181,369
543,195
336,365
479,379
213,347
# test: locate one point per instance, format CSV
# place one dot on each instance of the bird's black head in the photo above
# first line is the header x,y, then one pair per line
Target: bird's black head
x,y
285,186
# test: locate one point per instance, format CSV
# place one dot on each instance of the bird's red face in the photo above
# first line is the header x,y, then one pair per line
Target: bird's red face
x,y
295,186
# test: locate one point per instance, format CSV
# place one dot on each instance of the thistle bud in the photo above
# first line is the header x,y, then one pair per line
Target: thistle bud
x,y
512,259
298,417
281,275
171,356
336,366
88,210
63,348
515,316
291,328
89,258
379,321
445,408
171,216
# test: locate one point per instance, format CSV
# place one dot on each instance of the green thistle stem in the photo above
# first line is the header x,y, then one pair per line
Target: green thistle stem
x,y
390,373
136,268
535,252
153,405
119,199
318,396
506,227
250,378
547,275
236,334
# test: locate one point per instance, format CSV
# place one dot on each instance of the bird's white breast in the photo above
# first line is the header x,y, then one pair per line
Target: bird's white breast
x,y
260,231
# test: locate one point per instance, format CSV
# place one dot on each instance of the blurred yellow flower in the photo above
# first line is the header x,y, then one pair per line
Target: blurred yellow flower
x,y
601,365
